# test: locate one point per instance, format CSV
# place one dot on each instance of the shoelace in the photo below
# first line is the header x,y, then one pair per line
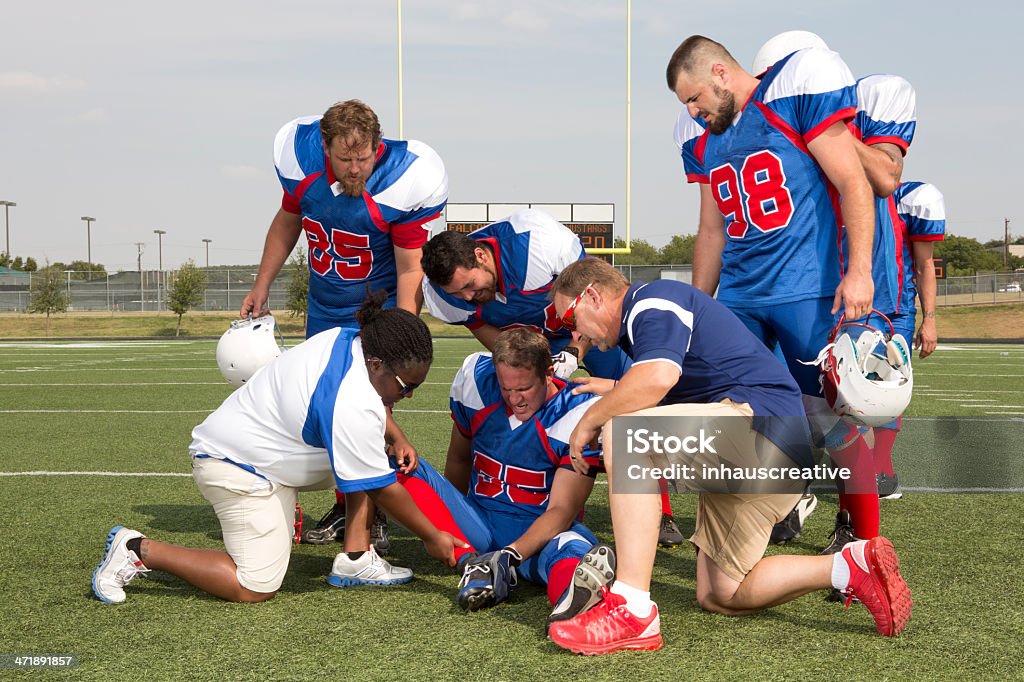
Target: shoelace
x,y
470,570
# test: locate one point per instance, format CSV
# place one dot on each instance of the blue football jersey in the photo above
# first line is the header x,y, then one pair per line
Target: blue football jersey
x,y
886,113
351,240
782,220
514,462
530,248
922,210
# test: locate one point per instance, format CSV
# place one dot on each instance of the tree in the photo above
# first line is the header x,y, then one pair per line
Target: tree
x,y
186,292
16,264
679,249
642,253
31,265
48,294
84,270
965,255
298,287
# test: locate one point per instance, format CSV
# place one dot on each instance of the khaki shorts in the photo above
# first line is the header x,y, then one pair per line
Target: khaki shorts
x,y
256,518
733,530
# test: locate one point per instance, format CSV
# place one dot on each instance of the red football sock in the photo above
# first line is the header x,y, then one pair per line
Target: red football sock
x,y
862,505
666,503
884,439
339,497
559,578
434,508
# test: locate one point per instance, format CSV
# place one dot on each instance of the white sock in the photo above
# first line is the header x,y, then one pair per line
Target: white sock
x,y
841,569
637,601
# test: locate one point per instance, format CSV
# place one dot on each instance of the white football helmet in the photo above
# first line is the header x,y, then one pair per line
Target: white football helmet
x,y
866,379
247,346
781,45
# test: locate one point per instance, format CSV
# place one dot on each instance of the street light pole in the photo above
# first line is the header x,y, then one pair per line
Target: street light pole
x,y
207,242
159,275
7,226
88,241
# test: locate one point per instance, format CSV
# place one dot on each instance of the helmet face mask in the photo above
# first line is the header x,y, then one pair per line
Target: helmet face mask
x,y
866,380
246,347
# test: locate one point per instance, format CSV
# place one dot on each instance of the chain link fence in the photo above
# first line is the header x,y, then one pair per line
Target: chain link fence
x,y
225,289
141,292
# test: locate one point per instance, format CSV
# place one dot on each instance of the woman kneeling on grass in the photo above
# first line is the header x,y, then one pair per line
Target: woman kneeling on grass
x,y
313,418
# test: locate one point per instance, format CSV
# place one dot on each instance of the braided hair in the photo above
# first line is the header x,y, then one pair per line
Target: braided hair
x,y
396,336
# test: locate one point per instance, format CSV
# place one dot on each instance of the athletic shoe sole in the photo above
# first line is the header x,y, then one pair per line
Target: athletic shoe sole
x,y
595,570
106,556
885,570
338,581
652,643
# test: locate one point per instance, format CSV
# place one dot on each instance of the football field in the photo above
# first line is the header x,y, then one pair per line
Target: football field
x,y
95,434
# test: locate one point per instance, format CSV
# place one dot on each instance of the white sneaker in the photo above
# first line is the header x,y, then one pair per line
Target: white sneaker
x,y
368,569
119,566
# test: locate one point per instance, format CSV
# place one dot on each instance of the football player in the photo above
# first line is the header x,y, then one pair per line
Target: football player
x,y
693,357
312,418
884,128
498,277
363,203
508,488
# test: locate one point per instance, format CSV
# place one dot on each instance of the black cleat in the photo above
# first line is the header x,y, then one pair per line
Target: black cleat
x,y
668,533
789,528
595,573
379,534
888,486
329,529
841,536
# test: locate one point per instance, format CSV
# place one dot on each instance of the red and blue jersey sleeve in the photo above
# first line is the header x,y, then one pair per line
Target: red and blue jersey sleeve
x,y
691,139
474,391
413,191
886,111
298,159
809,91
923,210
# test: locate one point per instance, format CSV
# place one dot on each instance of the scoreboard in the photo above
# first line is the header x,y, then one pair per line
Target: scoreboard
x,y
593,223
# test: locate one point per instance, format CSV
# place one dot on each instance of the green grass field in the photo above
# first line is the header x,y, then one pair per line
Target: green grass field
x,y
129,407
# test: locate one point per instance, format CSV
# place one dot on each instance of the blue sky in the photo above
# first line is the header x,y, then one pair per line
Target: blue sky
x,y
163,118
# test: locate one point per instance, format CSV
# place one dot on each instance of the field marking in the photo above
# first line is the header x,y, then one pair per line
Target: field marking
x,y
1016,413
1007,407
92,345
94,473
972,391
999,376
425,411
105,411
110,369
147,383
973,400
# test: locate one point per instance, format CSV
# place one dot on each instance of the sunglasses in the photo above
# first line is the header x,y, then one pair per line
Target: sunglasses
x,y
406,388
569,316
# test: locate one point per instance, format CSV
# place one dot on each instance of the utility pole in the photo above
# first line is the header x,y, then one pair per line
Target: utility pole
x,y
142,287
7,227
89,220
1006,242
160,273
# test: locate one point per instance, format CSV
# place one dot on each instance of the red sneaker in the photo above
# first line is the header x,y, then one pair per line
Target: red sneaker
x,y
879,587
608,627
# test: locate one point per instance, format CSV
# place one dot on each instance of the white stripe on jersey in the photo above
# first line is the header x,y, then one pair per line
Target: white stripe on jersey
x,y
562,429
284,148
464,388
686,129
884,98
810,72
684,315
424,182
553,246
925,202
440,308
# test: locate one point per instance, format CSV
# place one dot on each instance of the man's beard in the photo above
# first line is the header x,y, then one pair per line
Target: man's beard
x,y
352,188
726,112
